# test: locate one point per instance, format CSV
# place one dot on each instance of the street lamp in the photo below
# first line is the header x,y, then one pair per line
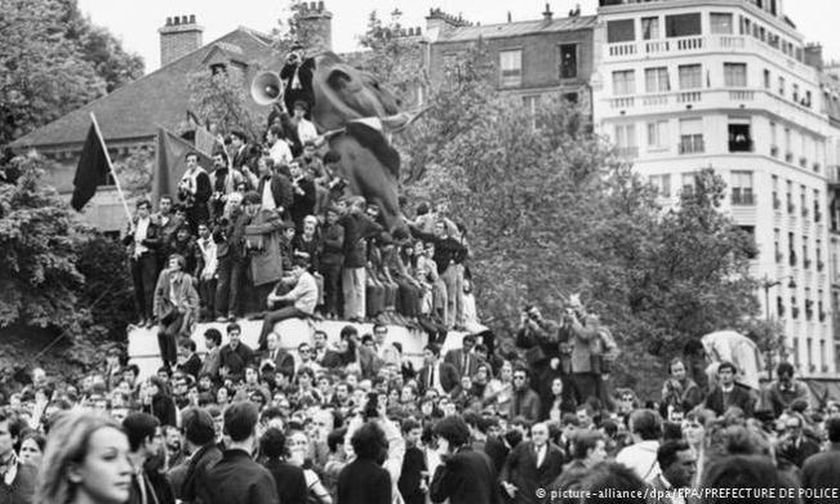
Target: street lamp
x,y
767,284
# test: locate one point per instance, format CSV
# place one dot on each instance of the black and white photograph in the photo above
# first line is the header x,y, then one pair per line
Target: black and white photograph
x,y
419,251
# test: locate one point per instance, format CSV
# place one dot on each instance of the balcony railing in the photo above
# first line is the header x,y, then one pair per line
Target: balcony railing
x,y
743,199
817,216
804,212
806,263
742,146
628,152
820,265
803,162
794,312
817,167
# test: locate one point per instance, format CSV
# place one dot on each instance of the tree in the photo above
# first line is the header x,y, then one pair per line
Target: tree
x,y
53,61
220,99
62,286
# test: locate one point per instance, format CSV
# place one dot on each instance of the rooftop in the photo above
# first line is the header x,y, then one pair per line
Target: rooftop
x,y
514,29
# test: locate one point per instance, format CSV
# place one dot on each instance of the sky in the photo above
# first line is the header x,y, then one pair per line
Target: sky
x,y
136,23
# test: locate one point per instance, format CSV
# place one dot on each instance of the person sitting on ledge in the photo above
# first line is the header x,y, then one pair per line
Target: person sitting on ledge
x,y
300,301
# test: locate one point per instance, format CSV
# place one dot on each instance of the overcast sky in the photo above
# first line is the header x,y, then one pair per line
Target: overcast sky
x,y
136,23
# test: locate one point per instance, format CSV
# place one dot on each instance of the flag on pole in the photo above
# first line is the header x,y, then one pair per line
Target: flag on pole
x,y
92,170
171,164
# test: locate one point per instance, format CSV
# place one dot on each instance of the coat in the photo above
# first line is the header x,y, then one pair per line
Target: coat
x,y
236,479
291,483
467,477
447,375
456,358
526,404
741,398
184,293
197,471
284,362
264,234
822,471
363,481
521,469
281,191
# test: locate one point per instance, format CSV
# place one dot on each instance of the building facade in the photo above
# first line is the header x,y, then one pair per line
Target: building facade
x,y
730,85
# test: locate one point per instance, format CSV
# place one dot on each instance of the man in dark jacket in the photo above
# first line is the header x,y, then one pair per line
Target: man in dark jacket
x,y
465,476
291,483
200,435
531,465
822,470
17,480
145,442
142,241
357,227
236,478
526,402
728,393
195,190
235,355
364,481
332,260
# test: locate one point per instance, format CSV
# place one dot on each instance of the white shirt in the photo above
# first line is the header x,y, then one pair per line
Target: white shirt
x,y
141,232
208,253
268,202
280,152
542,451
306,131
641,458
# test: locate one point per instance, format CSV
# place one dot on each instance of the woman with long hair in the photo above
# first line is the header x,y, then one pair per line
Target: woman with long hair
x,y
85,462
159,402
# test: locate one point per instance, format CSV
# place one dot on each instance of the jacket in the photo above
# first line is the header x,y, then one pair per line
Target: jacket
x,y
263,234
178,290
525,403
332,239
197,472
467,477
820,471
447,375
740,397
363,481
291,483
237,479
281,190
521,469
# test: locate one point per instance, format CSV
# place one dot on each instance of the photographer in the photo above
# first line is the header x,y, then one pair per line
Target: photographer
x,y
194,191
539,338
296,75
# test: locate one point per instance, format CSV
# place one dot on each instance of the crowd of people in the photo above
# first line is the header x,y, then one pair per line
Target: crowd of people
x,y
357,423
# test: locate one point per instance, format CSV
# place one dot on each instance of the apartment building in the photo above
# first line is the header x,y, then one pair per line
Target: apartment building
x,y
730,84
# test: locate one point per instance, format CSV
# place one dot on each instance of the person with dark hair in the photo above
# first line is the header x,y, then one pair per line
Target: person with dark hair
x,y
464,476
437,374
159,402
236,478
235,355
223,182
18,479
588,450
188,360
742,472
184,244
299,302
176,307
142,240
531,465
212,360
793,445
291,483
332,260
782,393
240,152
604,479
728,393
525,401
234,255
646,428
357,228
364,481
679,392
463,358
194,191
678,463
821,471
144,440
200,437
413,484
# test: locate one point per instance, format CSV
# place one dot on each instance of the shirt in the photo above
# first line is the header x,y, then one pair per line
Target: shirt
x,y
141,232
306,131
208,254
305,293
280,153
268,202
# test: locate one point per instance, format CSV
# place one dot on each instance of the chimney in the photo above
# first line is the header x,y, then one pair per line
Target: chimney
x,y
316,22
814,56
547,14
179,37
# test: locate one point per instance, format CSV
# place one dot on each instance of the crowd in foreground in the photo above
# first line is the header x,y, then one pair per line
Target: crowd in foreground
x,y
355,422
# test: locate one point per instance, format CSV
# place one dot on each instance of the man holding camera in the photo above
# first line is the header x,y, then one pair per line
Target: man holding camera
x,y
296,75
194,190
538,336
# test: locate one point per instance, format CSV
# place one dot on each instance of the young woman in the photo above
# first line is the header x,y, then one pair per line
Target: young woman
x,y
85,462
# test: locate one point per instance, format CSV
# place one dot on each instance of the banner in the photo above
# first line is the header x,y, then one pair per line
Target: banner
x,y
171,164
92,170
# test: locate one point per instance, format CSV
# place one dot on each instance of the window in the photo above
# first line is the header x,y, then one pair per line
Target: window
x,y
777,203
510,65
735,74
689,182
218,69
721,23
650,28
657,135
568,61
740,139
742,188
691,76
766,79
662,184
788,152
622,30
795,92
691,136
624,82
777,246
656,80
808,345
625,139
782,86
797,361
682,25
571,97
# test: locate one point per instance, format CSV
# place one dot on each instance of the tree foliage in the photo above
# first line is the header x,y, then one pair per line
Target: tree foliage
x,y
551,211
61,280
220,99
53,60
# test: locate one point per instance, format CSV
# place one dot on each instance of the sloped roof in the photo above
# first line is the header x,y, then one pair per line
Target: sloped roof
x,y
134,110
501,30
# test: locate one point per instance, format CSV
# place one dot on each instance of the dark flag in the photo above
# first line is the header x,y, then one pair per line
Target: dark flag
x,y
92,170
171,164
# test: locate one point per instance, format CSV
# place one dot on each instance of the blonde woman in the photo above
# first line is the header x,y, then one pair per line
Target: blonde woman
x,y
85,462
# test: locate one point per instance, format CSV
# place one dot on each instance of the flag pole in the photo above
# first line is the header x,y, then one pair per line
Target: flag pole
x,y
111,166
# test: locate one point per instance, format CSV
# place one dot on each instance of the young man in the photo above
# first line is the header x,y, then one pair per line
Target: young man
x,y
223,182
145,440
236,478
332,261
300,301
436,374
279,150
176,307
465,476
17,480
194,191
142,240
414,477
234,356
728,393
212,361
234,259
357,228
188,361
207,276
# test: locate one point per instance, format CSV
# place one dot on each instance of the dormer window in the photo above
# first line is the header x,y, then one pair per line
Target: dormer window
x,y
218,68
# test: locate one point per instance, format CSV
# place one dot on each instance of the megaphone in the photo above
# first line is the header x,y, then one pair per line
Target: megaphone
x,y
266,88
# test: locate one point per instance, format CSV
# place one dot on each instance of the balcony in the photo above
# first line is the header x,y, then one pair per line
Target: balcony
x,y
741,146
627,152
804,212
820,266
823,316
743,199
817,216
794,312
817,167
